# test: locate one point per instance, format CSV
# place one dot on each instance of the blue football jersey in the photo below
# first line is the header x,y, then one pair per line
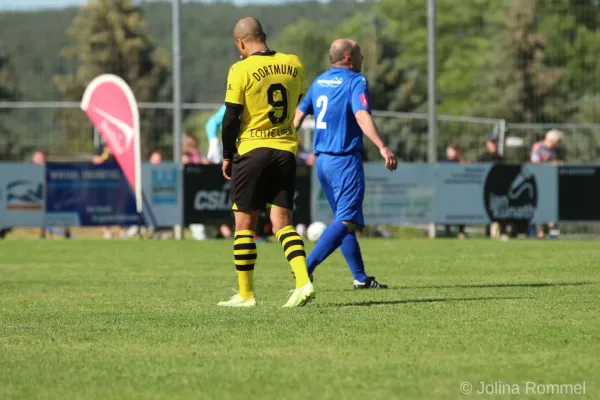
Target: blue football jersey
x,y
333,98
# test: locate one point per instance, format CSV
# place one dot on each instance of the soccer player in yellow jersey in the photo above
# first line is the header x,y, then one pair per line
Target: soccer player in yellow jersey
x,y
259,155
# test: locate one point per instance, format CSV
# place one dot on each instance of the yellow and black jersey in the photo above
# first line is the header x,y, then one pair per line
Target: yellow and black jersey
x,y
268,85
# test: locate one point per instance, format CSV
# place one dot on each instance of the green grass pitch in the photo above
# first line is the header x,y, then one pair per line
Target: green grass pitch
x,y
138,320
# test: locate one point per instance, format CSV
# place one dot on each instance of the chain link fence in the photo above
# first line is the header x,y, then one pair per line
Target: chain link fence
x,y
32,125
41,125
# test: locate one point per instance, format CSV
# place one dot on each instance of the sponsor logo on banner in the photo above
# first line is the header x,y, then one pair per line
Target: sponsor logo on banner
x,y
480,193
213,200
164,186
85,194
510,193
207,195
24,195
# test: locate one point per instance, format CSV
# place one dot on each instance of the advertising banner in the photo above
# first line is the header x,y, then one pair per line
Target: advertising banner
x,y
21,195
481,193
405,196
207,195
579,193
161,194
110,104
85,194
302,211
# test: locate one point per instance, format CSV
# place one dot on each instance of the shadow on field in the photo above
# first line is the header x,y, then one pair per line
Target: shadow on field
x,y
482,285
369,303
500,285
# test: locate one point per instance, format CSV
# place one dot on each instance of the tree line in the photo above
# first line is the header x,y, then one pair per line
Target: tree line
x,y
520,60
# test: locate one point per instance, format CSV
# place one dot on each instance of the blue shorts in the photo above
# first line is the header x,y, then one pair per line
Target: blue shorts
x,y
343,180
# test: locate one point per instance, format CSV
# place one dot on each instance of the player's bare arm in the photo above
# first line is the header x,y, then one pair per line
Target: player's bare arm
x,y
366,123
299,118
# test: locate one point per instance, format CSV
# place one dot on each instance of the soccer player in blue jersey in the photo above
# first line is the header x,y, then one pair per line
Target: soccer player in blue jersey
x,y
339,99
214,123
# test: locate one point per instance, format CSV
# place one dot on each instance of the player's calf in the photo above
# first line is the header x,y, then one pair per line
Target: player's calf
x,y
293,248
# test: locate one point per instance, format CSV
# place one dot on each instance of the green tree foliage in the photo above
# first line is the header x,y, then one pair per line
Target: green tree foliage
x,y
35,40
207,45
9,137
393,86
110,37
308,41
586,143
519,85
465,42
572,31
8,85
465,31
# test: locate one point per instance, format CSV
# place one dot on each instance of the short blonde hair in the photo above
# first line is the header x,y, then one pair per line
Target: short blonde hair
x,y
554,134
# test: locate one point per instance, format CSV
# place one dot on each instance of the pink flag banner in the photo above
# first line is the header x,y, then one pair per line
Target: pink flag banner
x,y
110,104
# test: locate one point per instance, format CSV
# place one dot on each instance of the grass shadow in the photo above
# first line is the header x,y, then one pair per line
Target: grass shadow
x,y
480,286
369,303
500,285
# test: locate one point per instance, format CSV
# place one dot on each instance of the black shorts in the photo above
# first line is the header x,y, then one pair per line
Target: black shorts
x,y
263,177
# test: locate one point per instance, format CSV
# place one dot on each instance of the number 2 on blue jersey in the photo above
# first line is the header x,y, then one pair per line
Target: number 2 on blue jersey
x,y
322,103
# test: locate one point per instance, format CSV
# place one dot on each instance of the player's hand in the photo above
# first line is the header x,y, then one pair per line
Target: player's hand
x,y
227,169
390,158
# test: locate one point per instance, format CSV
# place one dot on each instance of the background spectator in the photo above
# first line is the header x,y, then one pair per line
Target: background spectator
x,y
155,158
491,155
39,157
454,154
546,152
159,232
103,155
212,127
191,150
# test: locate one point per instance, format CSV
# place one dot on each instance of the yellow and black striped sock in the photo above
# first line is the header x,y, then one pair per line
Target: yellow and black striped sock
x,y
293,248
244,255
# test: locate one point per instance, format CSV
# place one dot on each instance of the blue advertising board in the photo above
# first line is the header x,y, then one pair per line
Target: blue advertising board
x,y
162,201
85,194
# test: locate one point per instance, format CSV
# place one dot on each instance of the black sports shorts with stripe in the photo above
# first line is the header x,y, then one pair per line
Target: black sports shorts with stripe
x,y
263,177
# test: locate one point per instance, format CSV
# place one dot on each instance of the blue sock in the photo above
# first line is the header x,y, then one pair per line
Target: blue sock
x,y
351,251
330,239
